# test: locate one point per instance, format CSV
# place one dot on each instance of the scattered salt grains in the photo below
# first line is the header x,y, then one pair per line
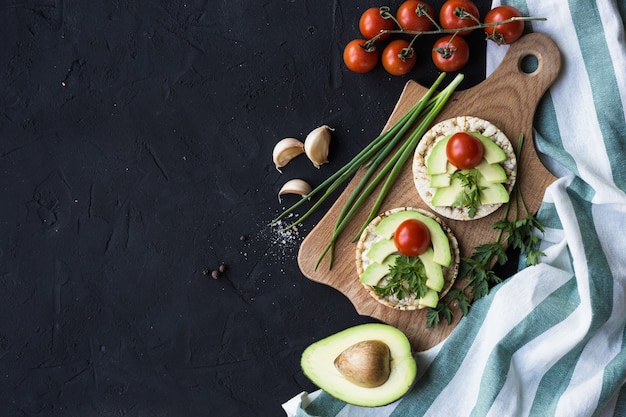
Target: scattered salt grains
x,y
282,243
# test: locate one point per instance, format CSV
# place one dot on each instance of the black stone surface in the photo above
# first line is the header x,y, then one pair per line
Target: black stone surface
x,y
135,158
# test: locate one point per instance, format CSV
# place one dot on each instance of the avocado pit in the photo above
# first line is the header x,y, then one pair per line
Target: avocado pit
x,y
366,364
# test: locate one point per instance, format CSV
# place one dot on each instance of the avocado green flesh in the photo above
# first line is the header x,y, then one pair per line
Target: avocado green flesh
x,y
434,272
440,180
493,193
439,168
448,189
447,196
317,363
439,239
493,153
437,161
490,193
430,299
492,172
380,250
375,271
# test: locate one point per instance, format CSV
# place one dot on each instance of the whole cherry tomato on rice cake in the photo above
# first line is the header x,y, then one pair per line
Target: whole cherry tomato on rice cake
x,y
464,151
411,237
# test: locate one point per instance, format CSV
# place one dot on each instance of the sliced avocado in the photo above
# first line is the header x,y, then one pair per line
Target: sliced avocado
x,y
318,364
492,192
442,180
445,197
437,161
438,238
433,270
381,250
430,299
493,153
375,271
492,172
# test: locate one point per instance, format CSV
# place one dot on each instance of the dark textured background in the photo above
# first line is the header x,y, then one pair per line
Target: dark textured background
x,y
135,153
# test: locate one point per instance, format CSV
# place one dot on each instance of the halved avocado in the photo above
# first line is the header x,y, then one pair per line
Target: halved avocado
x,y
361,350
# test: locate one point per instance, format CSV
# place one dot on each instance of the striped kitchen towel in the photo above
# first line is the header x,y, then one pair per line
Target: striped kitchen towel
x,y
549,341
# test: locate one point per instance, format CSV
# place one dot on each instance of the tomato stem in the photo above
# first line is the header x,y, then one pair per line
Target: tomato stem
x,y
440,31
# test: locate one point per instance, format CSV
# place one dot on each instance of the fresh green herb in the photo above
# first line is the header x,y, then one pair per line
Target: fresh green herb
x,y
435,315
443,310
372,158
517,233
407,277
470,196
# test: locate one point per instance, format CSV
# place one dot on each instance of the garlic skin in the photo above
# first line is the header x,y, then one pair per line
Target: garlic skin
x,y
285,150
316,145
295,186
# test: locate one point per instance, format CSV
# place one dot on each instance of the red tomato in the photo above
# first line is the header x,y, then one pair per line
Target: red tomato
x,y
464,151
372,22
411,238
450,53
398,58
359,59
506,32
459,14
412,15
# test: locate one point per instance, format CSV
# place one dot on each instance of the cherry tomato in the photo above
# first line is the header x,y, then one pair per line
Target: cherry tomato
x,y
359,59
398,58
411,238
450,53
506,32
411,15
372,22
464,151
457,14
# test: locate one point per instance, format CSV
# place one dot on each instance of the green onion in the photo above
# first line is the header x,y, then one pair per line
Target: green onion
x,y
371,158
391,169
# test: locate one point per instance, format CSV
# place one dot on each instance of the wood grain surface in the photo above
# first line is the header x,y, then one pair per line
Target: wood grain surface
x,y
507,98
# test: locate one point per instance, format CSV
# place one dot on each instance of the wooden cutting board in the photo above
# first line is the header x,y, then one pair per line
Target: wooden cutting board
x,y
508,98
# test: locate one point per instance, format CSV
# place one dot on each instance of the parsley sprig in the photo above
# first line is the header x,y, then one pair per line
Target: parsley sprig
x,y
517,233
470,196
407,276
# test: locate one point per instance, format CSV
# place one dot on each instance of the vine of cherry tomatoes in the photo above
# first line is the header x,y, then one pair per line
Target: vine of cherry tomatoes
x,y
415,18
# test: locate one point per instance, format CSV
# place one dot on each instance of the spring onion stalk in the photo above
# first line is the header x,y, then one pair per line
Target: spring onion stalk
x,y
371,158
359,160
390,170
372,154
409,148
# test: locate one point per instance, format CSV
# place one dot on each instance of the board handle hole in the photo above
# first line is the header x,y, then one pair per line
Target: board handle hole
x,y
529,64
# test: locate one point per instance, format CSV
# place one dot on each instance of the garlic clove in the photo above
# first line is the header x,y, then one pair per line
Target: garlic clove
x,y
295,186
285,150
316,145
